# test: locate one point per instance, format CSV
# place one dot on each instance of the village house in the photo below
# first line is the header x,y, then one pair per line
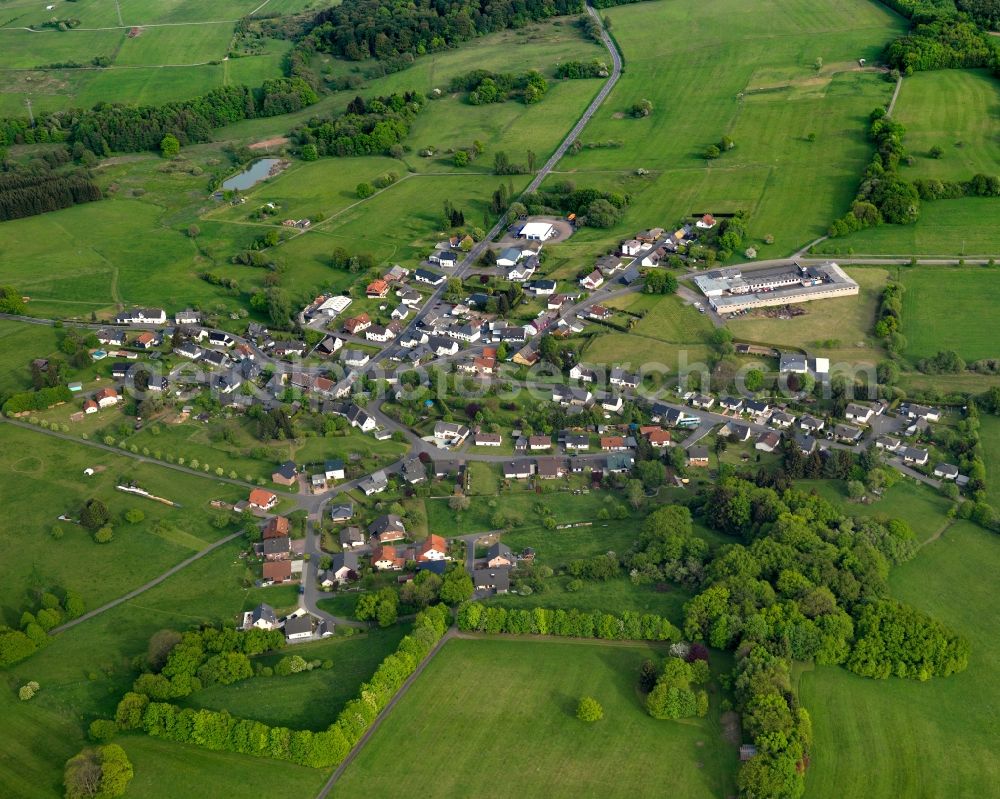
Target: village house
x,y
657,437
736,431
847,434
384,558
697,456
860,414
613,444
495,581
537,443
703,401
275,572
387,528
414,470
782,419
811,424
443,258
343,568
298,628
279,548
576,442
619,377
351,537
357,324
910,410
632,247
262,500
500,555
375,483
915,456
550,468
285,474
450,433
434,547
355,358
261,617
946,471
488,439
142,316
707,222
106,397
377,289
592,281
276,527
519,469
767,441
429,277
612,404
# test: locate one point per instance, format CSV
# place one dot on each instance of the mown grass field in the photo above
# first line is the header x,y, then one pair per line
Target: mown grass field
x,y
946,228
698,65
516,700
883,739
311,700
42,477
172,58
839,329
954,109
989,432
951,308
85,670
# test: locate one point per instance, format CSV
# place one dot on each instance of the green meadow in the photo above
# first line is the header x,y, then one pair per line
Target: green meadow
x,y
516,700
951,308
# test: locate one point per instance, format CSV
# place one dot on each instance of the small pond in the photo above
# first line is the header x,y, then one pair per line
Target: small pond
x,y
252,175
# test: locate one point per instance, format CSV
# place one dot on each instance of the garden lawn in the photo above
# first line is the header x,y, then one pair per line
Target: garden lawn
x,y
310,700
951,308
527,718
885,739
989,433
42,477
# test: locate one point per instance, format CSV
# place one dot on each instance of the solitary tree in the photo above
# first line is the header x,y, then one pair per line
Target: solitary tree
x,y
589,709
169,146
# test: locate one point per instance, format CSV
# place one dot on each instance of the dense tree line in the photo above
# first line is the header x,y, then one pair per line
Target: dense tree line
x,y
36,400
985,13
30,191
362,29
979,185
111,127
883,195
802,578
371,127
476,617
485,87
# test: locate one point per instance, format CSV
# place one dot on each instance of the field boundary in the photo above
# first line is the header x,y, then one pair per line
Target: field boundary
x,y
338,773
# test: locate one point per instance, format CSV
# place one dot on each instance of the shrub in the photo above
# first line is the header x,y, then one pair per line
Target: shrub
x,y
589,709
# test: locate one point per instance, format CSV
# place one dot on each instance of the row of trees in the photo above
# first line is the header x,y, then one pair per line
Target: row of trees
x,y
362,29
475,617
36,400
979,185
883,195
592,207
373,127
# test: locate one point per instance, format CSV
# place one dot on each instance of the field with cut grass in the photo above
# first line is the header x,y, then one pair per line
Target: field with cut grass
x,y
884,739
699,66
42,477
839,329
954,109
989,433
520,709
179,52
951,308
945,228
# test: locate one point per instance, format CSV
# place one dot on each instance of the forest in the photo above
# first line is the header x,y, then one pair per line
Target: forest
x,y
362,29
111,128
24,193
372,127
